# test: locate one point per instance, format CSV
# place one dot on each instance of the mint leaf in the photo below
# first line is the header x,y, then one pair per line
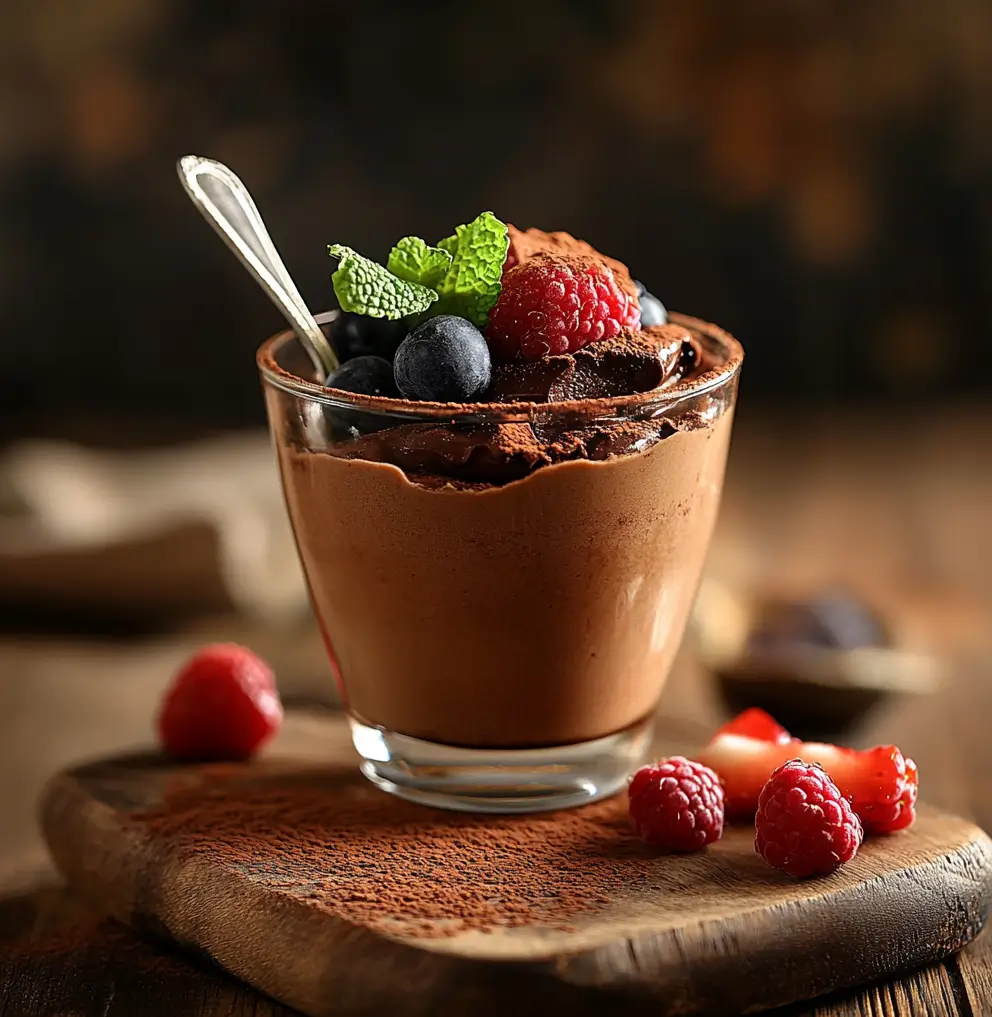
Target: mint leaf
x,y
473,281
413,260
363,287
450,244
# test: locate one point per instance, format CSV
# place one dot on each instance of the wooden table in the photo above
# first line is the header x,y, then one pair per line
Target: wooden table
x,y
896,505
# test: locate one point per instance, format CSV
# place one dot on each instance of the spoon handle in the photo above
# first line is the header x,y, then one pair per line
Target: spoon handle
x,y
226,204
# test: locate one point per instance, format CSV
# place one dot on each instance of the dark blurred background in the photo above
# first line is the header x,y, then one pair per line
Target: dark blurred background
x,y
814,175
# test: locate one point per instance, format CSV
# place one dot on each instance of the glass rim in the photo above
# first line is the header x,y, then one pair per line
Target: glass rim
x,y
506,412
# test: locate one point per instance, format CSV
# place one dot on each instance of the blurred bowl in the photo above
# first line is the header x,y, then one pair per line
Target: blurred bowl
x,y
818,665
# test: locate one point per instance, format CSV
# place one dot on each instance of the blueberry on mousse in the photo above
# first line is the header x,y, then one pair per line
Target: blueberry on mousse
x,y
358,335
364,375
444,360
653,311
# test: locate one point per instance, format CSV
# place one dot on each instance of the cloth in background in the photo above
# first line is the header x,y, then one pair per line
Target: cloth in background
x,y
189,526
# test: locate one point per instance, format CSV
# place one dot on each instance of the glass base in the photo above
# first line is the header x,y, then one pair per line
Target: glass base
x,y
500,780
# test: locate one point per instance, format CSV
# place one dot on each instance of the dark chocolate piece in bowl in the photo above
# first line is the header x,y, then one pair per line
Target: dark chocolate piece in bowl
x,y
819,665
833,620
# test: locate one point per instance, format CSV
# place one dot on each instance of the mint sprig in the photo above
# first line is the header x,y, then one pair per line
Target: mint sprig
x,y
415,261
472,283
462,275
364,287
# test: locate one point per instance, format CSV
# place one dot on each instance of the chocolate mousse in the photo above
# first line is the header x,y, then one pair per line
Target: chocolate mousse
x,y
513,570
493,454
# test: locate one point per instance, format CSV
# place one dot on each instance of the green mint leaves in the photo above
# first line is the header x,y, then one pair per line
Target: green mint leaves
x,y
413,260
473,282
363,287
461,276
449,244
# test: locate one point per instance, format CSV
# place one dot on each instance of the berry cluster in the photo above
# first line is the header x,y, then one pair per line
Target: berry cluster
x,y
812,803
443,359
880,783
224,705
398,334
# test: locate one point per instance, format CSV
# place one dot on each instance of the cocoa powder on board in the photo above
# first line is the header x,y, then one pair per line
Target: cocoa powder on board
x,y
337,843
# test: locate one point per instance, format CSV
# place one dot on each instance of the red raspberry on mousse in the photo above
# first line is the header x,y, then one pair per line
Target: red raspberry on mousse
x,y
557,304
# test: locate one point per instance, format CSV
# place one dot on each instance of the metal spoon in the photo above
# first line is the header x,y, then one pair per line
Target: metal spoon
x,y
225,203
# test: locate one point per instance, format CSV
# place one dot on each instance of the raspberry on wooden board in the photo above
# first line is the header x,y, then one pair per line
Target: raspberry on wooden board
x,y
676,804
804,825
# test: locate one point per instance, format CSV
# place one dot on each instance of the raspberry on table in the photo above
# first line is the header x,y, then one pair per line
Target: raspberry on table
x,y
222,705
557,304
804,825
676,804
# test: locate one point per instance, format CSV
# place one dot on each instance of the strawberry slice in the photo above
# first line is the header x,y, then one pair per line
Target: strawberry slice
x,y
755,723
744,765
880,783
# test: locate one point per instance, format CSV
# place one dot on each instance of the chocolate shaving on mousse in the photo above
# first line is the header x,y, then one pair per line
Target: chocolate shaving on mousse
x,y
632,362
524,244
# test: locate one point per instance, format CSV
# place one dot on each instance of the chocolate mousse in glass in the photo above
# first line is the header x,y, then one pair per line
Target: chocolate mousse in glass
x,y
502,585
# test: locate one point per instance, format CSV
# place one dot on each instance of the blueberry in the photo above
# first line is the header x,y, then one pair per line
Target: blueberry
x,y
356,335
652,310
444,360
640,288
365,376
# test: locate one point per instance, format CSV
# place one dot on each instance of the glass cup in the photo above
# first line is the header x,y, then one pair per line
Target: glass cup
x,y
501,646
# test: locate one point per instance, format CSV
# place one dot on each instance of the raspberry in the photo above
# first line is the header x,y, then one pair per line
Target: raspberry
x,y
223,704
676,804
804,825
558,304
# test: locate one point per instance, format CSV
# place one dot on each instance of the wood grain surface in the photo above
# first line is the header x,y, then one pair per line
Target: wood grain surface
x,y
894,504
716,931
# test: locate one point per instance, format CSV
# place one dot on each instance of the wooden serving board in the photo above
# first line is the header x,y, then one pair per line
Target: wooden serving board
x,y
292,901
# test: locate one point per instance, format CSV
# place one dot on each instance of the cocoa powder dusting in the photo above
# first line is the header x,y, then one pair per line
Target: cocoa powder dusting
x,y
334,841
529,243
